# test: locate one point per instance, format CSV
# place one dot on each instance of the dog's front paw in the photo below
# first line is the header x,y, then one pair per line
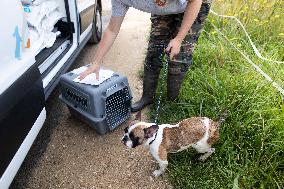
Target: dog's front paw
x,y
157,173
202,158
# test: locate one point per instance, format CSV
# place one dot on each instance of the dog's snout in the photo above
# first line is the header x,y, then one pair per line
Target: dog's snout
x,y
124,139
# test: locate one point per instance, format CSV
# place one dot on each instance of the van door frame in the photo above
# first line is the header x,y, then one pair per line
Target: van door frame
x,y
86,16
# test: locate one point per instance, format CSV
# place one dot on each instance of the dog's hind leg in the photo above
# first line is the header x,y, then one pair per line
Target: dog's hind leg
x,y
206,154
204,148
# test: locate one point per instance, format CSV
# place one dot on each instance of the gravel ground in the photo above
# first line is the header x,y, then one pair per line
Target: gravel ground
x,y
69,154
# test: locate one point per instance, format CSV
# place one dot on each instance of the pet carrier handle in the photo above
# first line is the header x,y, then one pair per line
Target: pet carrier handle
x,y
114,88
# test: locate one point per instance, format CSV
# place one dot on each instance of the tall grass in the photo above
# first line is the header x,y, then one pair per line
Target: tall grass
x,y
250,152
264,21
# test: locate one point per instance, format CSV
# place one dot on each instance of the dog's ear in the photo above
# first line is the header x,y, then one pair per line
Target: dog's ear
x,y
138,116
150,131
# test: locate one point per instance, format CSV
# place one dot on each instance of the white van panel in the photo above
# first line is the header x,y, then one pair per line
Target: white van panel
x,y
19,157
84,4
9,36
15,59
11,71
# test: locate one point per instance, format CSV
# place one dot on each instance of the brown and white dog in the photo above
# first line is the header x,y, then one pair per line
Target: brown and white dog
x,y
197,132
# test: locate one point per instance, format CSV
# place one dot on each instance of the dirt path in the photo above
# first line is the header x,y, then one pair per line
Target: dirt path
x,y
75,156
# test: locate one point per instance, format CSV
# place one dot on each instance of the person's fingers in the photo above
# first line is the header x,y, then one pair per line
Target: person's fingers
x,y
174,52
168,49
97,75
172,55
170,46
84,74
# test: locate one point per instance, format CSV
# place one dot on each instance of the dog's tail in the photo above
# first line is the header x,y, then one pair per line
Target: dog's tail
x,y
222,117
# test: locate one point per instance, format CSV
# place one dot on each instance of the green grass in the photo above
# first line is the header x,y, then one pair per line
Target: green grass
x,y
141,73
250,152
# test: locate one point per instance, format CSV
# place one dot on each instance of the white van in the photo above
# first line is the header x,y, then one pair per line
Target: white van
x,y
39,41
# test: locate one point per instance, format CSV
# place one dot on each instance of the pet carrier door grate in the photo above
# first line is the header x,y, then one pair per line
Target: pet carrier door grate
x,y
117,107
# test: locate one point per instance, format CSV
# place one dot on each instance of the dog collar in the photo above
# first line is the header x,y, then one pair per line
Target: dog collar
x,y
154,138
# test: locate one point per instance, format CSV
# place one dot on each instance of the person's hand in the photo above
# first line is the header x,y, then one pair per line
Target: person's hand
x,y
174,47
94,68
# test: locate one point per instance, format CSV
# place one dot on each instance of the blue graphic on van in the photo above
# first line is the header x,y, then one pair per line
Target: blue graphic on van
x,y
27,8
16,34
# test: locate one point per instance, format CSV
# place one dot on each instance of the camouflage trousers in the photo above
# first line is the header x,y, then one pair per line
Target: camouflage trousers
x,y
163,29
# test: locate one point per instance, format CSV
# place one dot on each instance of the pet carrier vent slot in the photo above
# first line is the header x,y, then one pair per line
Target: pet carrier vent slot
x,y
76,98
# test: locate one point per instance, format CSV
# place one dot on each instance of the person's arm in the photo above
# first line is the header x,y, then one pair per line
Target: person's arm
x,y
189,17
107,40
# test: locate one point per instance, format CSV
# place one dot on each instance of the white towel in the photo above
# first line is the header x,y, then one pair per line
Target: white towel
x,y
41,17
91,78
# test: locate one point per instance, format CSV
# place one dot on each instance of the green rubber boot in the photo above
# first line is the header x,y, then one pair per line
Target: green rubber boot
x,y
174,85
150,81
